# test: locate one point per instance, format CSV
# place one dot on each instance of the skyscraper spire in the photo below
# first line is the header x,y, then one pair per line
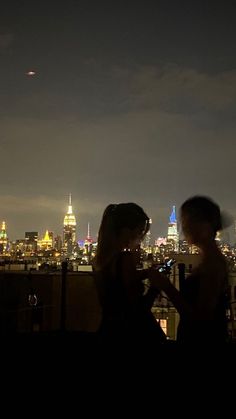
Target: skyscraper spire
x,y
88,235
173,215
70,211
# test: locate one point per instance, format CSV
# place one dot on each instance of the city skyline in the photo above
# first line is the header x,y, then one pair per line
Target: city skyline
x,y
84,229
114,103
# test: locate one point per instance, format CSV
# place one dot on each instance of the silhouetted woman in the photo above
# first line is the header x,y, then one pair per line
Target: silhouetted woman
x,y
202,301
126,310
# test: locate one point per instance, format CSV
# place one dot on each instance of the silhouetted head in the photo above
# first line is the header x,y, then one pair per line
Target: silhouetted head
x,y
201,219
123,226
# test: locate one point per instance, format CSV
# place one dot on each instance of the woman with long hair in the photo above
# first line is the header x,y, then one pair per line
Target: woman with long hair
x,y
126,310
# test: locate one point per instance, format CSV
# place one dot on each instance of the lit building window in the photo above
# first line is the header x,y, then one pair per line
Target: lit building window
x,y
163,324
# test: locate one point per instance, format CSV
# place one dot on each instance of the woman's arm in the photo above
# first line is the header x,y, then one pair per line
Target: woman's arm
x,y
149,298
206,299
132,280
162,282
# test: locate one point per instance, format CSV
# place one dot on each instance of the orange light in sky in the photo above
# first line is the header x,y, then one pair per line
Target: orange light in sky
x,y
31,73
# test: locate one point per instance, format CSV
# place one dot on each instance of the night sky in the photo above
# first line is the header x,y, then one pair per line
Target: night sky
x,y
129,103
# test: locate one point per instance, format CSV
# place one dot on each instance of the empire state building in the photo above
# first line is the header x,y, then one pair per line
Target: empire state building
x,y
69,231
173,235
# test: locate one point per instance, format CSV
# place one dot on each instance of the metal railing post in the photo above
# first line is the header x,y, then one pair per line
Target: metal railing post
x,y
64,267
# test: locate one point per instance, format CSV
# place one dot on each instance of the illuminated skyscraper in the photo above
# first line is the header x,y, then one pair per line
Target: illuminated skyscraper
x,y
58,243
234,231
173,235
69,231
3,239
88,245
46,242
31,240
147,240
88,241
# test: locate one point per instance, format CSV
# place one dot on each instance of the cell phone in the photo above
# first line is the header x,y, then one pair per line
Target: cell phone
x,y
167,266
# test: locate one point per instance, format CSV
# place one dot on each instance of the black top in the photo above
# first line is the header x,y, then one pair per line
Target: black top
x,y
202,330
121,319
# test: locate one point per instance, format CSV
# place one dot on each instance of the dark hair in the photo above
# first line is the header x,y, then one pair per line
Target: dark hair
x,y
115,218
203,209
